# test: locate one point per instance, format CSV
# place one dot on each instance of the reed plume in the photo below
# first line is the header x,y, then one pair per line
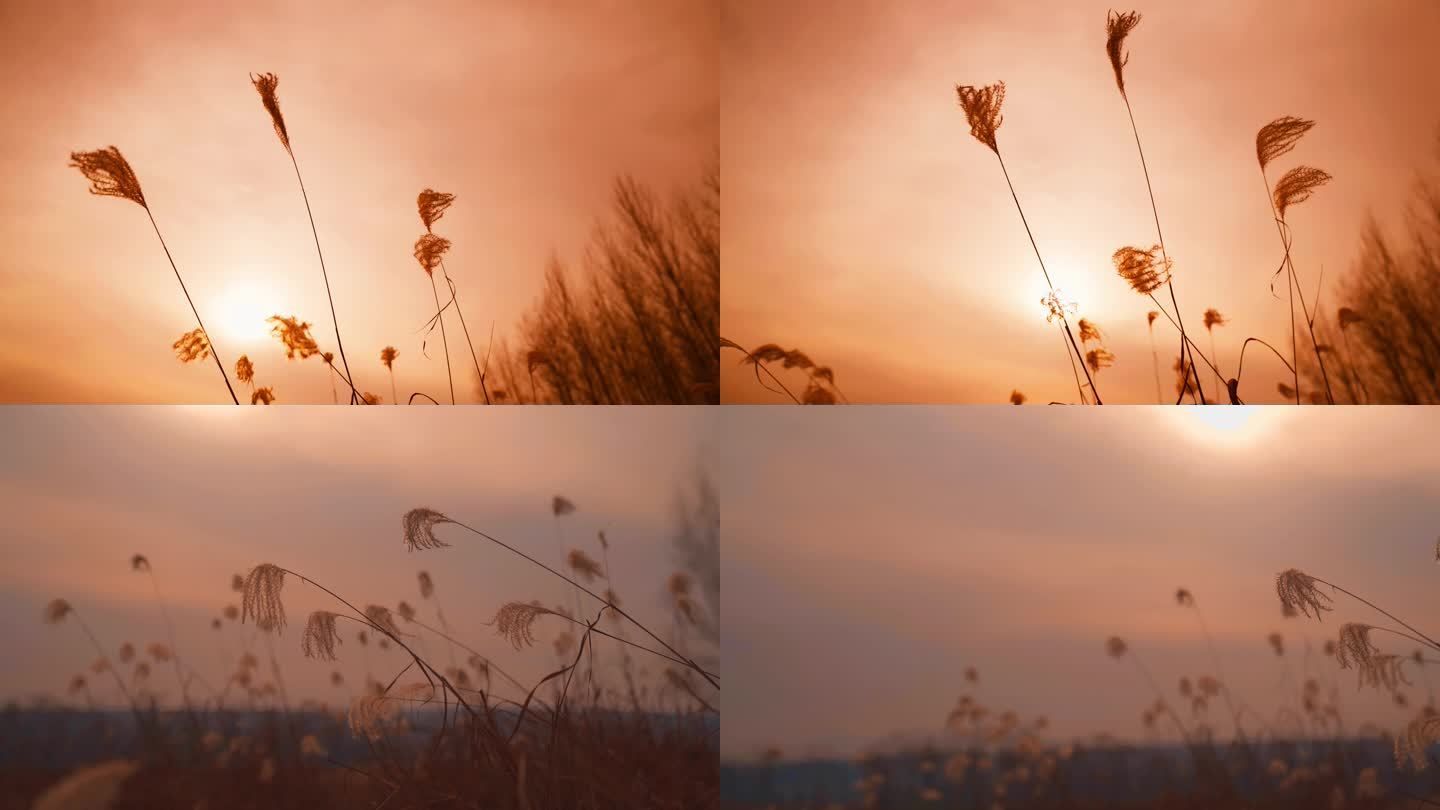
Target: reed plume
x,y
1273,140
1098,359
320,636
245,370
1088,331
387,357
261,597
515,622
419,525
262,396
982,109
1017,398
1297,591
110,175
1213,318
295,335
266,85
1144,269
1279,137
191,346
429,249
1118,26
432,205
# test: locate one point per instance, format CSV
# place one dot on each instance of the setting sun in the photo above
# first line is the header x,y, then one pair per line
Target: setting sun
x,y
242,309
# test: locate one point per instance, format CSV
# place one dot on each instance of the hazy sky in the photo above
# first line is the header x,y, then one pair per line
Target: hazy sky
x,y
526,111
871,555
867,227
207,493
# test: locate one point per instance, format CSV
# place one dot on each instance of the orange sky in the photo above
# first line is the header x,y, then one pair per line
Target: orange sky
x,y
865,226
871,555
526,111
206,493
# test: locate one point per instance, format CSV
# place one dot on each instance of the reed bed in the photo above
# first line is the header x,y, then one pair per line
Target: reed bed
x,y
1200,744
458,731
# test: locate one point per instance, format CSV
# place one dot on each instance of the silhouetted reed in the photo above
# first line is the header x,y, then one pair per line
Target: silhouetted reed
x,y
110,175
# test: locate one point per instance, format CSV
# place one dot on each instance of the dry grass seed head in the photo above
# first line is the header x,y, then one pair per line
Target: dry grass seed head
x,y
261,597
816,394
1116,647
109,174
406,611
560,505
515,622
1016,397
427,585
244,369
1278,137
295,334
1145,270
1088,330
1098,359
381,618
1297,185
57,610
1348,316
1118,26
193,345
584,566
1150,317
432,205
1419,735
159,652
1057,306
139,563
419,525
320,636
982,108
262,396
1298,590
388,355
430,250
1213,318
265,85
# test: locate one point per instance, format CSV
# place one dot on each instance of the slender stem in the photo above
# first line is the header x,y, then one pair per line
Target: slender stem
x,y
1155,357
444,341
1385,612
1164,254
1063,320
213,352
594,595
1295,281
323,273
170,633
455,299
394,400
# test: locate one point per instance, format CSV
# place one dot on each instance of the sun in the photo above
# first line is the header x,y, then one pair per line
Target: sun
x,y
1225,425
239,316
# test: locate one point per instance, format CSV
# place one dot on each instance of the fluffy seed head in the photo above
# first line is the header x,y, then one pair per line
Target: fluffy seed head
x,y
1278,137
1297,185
1420,734
159,652
193,345
1016,397
429,250
406,611
244,370
1276,642
139,563
109,174
583,566
1116,647
1184,598
261,597
57,610
126,652
1118,26
1144,270
515,622
381,618
262,396
320,636
1057,307
295,334
388,355
1100,358
419,535
1088,330
1297,590
561,505
432,205
427,585
982,108
1213,318
1150,317
265,85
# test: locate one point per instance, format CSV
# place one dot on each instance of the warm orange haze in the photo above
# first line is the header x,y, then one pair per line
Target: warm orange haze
x,y
1028,597
578,140
418,603
872,227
